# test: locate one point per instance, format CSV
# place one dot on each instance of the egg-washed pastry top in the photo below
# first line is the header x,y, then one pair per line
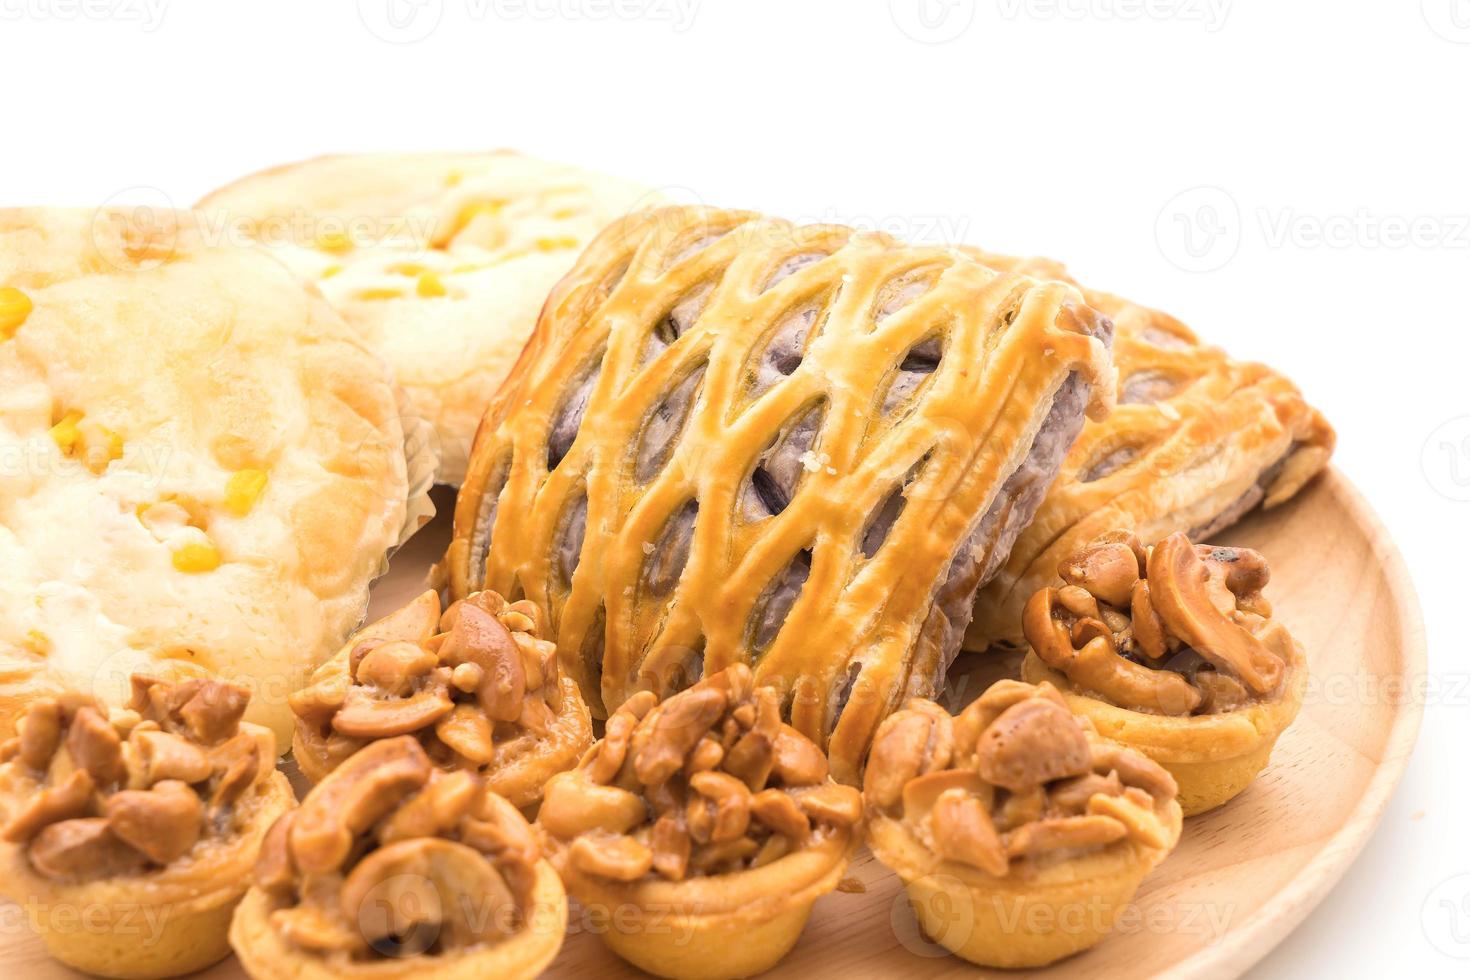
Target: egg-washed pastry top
x,y
1197,441
201,467
439,260
736,440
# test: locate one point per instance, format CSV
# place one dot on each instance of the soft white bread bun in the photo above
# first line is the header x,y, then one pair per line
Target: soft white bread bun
x,y
202,467
440,261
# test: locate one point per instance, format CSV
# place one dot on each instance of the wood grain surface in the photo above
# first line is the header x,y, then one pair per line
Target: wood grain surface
x,y
1243,876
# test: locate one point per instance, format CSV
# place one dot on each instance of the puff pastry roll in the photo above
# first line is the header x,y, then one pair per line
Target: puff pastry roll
x,y
735,440
1196,442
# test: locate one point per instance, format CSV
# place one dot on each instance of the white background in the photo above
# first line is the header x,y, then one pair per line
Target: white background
x,y
1331,237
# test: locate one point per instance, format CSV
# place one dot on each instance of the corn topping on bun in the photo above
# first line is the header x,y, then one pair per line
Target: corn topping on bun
x,y
201,467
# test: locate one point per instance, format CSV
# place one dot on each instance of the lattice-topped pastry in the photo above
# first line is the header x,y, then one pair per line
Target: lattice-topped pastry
x,y
732,439
1196,442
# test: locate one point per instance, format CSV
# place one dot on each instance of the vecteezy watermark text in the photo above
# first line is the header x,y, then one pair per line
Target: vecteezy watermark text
x,y
147,14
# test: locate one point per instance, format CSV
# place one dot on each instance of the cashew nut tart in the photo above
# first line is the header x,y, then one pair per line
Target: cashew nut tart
x,y
394,868
703,827
1019,834
730,434
475,686
440,261
204,468
127,837
1196,442
1173,651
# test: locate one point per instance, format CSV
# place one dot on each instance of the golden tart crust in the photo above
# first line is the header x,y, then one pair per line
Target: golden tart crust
x,y
1210,680
704,827
729,433
1197,440
154,852
476,686
1014,811
394,868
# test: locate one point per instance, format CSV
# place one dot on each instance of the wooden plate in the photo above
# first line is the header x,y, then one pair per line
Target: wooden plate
x,y
1242,877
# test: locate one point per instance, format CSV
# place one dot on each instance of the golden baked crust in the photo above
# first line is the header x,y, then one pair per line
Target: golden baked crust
x,y
791,433
1196,441
475,686
145,824
1014,811
212,466
703,828
440,261
391,868
1172,651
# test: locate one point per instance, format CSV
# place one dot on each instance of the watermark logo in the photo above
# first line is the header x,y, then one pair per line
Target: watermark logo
x,y
932,21
1450,19
136,228
1445,459
1198,230
146,14
1445,917
400,21
1212,14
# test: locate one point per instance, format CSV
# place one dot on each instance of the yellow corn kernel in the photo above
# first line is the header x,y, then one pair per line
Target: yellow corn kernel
x,y
453,178
331,271
407,269
558,242
100,446
476,209
243,489
15,306
380,293
334,241
38,643
196,558
65,433
561,214
430,285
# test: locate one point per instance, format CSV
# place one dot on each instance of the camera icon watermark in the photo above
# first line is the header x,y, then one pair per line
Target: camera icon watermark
x,y
932,21
1199,229
1445,459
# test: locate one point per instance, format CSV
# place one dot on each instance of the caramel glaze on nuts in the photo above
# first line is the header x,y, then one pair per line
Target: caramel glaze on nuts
x,y
475,686
708,782
136,790
1176,629
391,856
1015,777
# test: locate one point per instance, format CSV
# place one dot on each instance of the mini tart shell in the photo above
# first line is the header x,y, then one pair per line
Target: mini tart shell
x,y
1212,757
715,927
265,955
980,917
518,775
161,924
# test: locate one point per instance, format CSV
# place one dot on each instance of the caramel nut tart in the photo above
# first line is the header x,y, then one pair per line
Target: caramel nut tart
x,y
395,868
144,823
729,434
1197,441
440,261
706,825
1020,835
1173,651
475,686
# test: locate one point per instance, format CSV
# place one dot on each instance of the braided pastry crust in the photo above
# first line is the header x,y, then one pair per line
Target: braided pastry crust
x,y
732,439
1196,442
